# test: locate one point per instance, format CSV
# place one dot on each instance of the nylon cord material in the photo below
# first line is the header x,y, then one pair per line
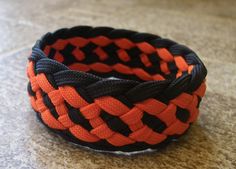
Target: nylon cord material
x,y
151,99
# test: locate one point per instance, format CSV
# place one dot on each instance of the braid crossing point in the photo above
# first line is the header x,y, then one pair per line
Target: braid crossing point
x,y
113,89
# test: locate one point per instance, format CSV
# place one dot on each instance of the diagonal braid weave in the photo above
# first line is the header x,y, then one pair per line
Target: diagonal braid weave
x,y
114,89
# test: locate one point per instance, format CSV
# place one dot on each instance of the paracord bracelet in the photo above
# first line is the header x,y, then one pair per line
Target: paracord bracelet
x,y
115,90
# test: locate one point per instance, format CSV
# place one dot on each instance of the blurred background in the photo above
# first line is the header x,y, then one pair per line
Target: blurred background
x,y
206,26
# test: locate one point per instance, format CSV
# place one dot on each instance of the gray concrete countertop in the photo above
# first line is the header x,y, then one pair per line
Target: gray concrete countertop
x,y
207,26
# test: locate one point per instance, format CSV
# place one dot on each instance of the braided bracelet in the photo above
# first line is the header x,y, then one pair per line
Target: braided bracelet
x,y
115,90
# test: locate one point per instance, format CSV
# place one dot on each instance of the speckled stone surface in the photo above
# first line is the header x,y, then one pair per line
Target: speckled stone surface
x,y
207,26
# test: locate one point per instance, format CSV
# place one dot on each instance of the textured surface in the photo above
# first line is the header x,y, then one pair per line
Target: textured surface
x,y
208,27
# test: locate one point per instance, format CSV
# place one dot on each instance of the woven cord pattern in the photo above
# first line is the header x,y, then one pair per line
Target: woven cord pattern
x,y
114,89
